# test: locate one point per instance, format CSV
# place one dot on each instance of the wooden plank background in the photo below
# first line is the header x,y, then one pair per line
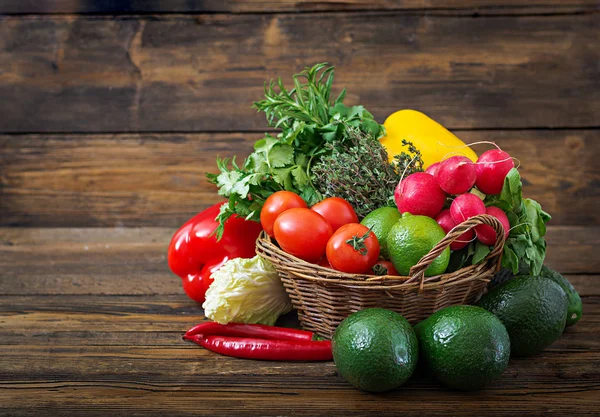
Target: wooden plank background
x,y
91,323
111,112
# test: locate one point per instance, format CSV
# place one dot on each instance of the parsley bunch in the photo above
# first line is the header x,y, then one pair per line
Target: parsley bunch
x,y
309,120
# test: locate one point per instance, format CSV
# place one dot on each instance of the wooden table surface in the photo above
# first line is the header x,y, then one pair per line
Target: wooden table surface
x,y
91,323
111,113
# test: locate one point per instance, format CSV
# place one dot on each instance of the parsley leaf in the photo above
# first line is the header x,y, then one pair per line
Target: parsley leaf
x,y
308,120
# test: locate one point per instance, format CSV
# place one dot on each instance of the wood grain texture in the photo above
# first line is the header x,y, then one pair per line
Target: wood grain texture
x,y
254,6
159,179
202,73
127,357
70,347
133,261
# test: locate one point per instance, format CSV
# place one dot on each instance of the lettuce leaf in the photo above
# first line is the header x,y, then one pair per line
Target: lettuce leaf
x,y
246,291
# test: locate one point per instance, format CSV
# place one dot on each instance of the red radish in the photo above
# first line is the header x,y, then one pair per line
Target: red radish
x,y
485,233
466,206
433,169
444,219
456,175
419,194
492,167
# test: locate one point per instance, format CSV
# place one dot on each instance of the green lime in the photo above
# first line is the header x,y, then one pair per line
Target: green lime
x,y
411,238
375,349
381,221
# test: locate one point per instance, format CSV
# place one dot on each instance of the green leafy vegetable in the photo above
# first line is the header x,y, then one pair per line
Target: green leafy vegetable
x,y
525,248
309,120
481,251
525,243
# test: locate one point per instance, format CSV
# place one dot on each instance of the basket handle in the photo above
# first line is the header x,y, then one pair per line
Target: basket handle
x,y
417,272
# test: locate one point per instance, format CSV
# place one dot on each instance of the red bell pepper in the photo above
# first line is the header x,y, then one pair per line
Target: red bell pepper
x,y
195,253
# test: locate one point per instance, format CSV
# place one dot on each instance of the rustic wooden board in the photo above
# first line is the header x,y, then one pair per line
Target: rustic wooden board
x,y
254,6
202,73
92,355
133,261
159,179
72,347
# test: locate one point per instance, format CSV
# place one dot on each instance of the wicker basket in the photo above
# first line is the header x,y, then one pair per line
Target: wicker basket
x,y
324,297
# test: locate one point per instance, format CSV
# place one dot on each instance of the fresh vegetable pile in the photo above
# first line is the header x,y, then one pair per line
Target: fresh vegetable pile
x,y
336,189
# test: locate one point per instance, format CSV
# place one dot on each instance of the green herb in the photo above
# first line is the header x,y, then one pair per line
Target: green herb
x,y
411,162
358,171
309,121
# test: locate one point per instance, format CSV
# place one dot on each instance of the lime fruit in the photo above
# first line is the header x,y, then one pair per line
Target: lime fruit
x,y
380,221
412,237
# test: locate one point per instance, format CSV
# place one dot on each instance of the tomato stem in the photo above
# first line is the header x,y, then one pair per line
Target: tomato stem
x,y
358,242
380,270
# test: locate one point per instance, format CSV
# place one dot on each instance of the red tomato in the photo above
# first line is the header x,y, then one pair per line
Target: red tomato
x,y
353,248
324,262
336,211
384,268
276,204
303,233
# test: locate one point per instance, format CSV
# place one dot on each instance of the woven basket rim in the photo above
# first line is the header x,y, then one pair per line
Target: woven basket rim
x,y
416,281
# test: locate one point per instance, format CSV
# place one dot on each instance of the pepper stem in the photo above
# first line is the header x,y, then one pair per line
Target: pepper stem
x,y
358,242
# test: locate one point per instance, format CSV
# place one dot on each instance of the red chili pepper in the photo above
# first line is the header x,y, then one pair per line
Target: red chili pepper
x,y
259,331
270,350
194,252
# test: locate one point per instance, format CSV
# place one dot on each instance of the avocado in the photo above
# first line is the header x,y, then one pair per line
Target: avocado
x,y
375,349
533,310
575,306
464,347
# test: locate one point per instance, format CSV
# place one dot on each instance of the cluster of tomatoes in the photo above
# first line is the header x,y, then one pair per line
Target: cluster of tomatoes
x,y
327,234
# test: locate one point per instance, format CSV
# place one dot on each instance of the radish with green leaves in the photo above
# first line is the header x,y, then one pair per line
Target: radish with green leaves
x,y
445,220
485,233
492,167
466,206
419,194
456,175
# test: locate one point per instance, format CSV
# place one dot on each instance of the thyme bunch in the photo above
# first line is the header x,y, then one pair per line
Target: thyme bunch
x,y
359,171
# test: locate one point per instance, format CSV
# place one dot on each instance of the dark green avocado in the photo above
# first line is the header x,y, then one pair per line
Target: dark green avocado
x,y
375,349
533,310
464,347
575,306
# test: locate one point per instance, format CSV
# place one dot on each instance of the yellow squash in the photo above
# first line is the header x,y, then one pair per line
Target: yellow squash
x,y
433,140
